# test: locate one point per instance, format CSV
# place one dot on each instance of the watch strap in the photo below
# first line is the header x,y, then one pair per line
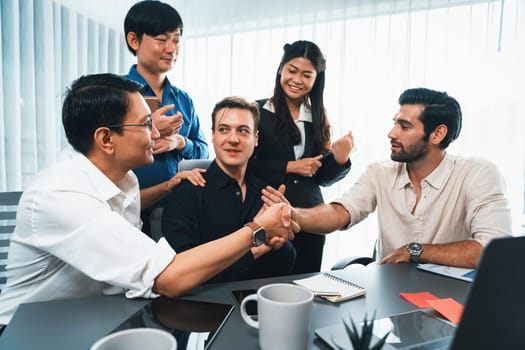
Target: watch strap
x,y
255,229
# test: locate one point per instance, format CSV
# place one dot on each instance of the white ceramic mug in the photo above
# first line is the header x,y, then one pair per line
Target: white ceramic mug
x,y
284,315
137,339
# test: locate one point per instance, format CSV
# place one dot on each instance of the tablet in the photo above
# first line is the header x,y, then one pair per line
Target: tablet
x,y
193,323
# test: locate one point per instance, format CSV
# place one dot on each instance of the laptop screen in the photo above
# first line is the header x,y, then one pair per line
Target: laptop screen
x,y
495,307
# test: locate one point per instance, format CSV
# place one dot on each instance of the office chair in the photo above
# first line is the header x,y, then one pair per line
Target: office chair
x,y
188,164
8,205
351,260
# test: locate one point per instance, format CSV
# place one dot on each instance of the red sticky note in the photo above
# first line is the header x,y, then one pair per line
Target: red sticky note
x,y
419,299
448,308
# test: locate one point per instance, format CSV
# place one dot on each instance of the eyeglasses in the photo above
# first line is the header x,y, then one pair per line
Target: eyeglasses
x,y
148,124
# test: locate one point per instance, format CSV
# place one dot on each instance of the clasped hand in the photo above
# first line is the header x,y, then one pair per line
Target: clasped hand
x,y
280,216
271,198
167,125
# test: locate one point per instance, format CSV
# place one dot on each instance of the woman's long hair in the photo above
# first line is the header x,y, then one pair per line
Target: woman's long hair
x,y
285,122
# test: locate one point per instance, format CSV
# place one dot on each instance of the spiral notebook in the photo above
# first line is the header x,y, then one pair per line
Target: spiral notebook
x,y
326,282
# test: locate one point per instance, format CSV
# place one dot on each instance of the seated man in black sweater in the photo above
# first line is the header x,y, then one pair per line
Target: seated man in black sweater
x,y
229,200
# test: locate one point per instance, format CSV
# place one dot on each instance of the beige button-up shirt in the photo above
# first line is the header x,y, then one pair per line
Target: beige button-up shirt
x,y
463,198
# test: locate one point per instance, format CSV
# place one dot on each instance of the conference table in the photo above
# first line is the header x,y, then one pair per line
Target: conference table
x,y
77,323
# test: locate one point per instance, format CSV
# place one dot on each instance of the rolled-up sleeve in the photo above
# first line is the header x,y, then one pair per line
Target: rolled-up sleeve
x,y
360,200
488,211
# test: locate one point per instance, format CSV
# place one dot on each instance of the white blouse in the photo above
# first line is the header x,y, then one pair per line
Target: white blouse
x,y
305,115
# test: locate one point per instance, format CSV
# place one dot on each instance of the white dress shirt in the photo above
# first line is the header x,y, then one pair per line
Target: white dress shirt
x,y
305,115
78,234
462,199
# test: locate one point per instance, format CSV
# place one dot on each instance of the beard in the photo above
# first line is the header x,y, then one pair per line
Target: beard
x,y
412,153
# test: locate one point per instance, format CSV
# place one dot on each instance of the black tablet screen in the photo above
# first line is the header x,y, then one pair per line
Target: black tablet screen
x,y
193,323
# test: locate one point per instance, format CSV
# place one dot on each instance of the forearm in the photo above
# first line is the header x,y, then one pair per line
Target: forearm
x,y
323,218
192,267
151,195
461,254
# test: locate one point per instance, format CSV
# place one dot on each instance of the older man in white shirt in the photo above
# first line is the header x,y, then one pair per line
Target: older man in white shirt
x,y
78,225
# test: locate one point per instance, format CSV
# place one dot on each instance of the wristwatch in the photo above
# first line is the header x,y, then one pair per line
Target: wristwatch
x,y
259,234
415,249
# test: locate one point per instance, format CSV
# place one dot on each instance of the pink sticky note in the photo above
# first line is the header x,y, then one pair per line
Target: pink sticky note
x,y
419,299
448,308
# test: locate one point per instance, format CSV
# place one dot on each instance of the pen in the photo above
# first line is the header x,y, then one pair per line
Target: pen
x,y
326,294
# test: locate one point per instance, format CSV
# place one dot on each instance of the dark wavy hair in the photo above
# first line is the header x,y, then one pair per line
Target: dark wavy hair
x,y
93,101
440,109
152,18
285,122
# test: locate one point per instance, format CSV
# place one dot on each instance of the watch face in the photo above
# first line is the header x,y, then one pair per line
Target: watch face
x,y
415,247
259,237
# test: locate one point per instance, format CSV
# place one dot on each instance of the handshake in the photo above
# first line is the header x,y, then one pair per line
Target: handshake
x,y
279,219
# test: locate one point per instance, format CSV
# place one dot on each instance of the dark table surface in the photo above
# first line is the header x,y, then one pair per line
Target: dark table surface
x,y
78,323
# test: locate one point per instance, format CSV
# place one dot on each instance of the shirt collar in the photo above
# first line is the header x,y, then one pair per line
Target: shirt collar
x,y
105,187
223,179
305,114
435,179
439,175
133,74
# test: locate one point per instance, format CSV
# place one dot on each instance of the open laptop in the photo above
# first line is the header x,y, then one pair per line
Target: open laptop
x,y
492,317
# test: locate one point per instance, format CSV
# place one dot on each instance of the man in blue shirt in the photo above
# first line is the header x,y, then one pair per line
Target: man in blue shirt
x,y
153,31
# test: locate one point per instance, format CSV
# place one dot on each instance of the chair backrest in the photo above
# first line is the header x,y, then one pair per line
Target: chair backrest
x,y
8,205
188,164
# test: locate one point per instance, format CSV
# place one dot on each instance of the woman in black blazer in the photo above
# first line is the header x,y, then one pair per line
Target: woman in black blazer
x,y
294,146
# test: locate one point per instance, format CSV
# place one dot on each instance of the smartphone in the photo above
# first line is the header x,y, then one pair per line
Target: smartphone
x,y
251,307
153,102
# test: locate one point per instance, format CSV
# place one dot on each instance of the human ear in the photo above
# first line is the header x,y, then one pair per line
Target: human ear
x,y
133,40
438,134
103,140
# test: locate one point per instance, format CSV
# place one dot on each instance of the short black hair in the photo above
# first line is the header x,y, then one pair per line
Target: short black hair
x,y
93,101
151,17
240,103
440,108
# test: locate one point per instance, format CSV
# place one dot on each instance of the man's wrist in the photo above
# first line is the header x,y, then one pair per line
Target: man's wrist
x,y
258,234
415,250
181,144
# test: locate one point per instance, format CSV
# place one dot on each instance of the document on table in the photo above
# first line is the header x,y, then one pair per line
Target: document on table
x,y
449,271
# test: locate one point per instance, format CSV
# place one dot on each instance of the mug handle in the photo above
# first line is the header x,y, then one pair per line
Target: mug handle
x,y
244,314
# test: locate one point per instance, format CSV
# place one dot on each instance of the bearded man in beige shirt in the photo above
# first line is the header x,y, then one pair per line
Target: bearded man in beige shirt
x,y
432,207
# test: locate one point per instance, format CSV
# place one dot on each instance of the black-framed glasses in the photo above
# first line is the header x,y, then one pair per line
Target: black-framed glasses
x,y
148,124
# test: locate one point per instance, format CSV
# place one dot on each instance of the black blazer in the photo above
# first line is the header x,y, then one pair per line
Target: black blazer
x,y
273,153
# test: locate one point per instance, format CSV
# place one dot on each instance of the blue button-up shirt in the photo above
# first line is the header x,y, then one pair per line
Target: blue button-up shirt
x,y
165,165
